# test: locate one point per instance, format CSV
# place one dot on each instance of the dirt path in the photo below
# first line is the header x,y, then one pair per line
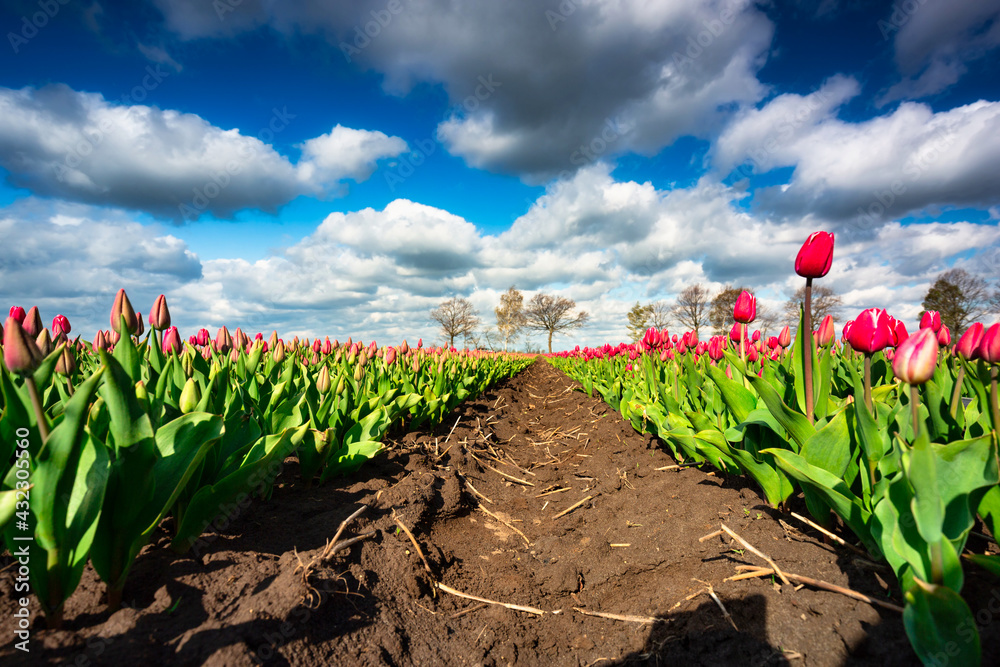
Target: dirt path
x,y
535,449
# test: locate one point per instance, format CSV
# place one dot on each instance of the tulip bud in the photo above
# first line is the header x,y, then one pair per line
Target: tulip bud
x,y
785,337
159,315
317,346
32,324
234,355
390,356
100,342
44,342
279,352
968,344
206,353
240,339
729,372
989,345
60,326
140,328
815,256
323,380
736,332
359,372
142,393
416,365
273,340
756,336
341,385
204,338
715,348
931,319
870,332
172,341
123,307
826,332
190,396
745,310
223,341
944,336
20,353
916,358
420,343
18,314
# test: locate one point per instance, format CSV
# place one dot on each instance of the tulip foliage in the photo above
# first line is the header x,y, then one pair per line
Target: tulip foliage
x,y
901,441
100,442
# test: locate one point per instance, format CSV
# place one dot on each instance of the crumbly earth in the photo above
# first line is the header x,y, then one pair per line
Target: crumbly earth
x,y
541,498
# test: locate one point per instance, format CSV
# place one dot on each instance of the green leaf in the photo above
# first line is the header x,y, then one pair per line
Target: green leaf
x,y
796,424
738,399
829,447
927,504
939,623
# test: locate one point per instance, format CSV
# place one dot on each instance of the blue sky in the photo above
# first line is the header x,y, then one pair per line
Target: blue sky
x,y
340,168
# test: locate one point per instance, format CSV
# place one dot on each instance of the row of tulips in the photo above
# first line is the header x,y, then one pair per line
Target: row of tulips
x,y
101,441
894,433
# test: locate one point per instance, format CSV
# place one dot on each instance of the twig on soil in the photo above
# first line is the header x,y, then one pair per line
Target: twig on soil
x,y
510,477
506,523
574,506
710,535
515,607
416,545
815,583
826,532
332,547
452,429
549,493
473,489
756,551
469,610
622,617
718,602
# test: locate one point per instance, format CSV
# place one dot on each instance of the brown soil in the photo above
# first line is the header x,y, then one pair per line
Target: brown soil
x,y
632,549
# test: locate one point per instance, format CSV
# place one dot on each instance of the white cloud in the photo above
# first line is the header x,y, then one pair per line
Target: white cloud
x,y
80,147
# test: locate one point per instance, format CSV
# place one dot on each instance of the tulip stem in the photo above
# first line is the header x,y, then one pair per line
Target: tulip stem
x,y
36,403
868,381
915,408
807,369
995,407
54,617
956,394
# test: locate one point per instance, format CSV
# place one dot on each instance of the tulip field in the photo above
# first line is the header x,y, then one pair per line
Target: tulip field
x,y
125,450
895,434
102,441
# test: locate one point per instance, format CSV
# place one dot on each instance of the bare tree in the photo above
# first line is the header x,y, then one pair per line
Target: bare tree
x,y
551,314
510,315
824,302
692,308
638,321
721,312
660,314
960,297
457,317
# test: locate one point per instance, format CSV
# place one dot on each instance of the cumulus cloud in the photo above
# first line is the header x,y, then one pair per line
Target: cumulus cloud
x,y
934,41
869,171
81,147
538,88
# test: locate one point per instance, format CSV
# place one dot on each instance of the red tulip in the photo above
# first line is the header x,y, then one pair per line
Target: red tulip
x,y
715,347
20,353
944,336
968,344
989,345
931,319
100,342
785,337
67,362
32,323
745,310
736,333
899,333
390,356
204,337
17,313
826,333
60,326
870,332
123,307
815,256
159,314
172,341
916,358
327,347
140,328
223,341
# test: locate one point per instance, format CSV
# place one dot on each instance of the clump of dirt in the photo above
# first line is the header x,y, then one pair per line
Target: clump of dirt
x,y
535,496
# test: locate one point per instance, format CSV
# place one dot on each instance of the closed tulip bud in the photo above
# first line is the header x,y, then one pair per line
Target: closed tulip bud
x,y
826,332
390,356
323,380
756,336
60,326
416,365
123,308
944,336
44,343
815,256
159,314
899,333
204,338
736,332
240,339
785,337
187,362
359,372
100,342
32,324
206,353
663,355
968,344
273,340
745,310
729,372
341,385
870,332
752,354
20,353
931,319
316,358
223,341
404,348
916,358
140,328
716,347
317,346
420,343
141,393
17,313
989,345
234,354
278,354
172,341
327,346
190,396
